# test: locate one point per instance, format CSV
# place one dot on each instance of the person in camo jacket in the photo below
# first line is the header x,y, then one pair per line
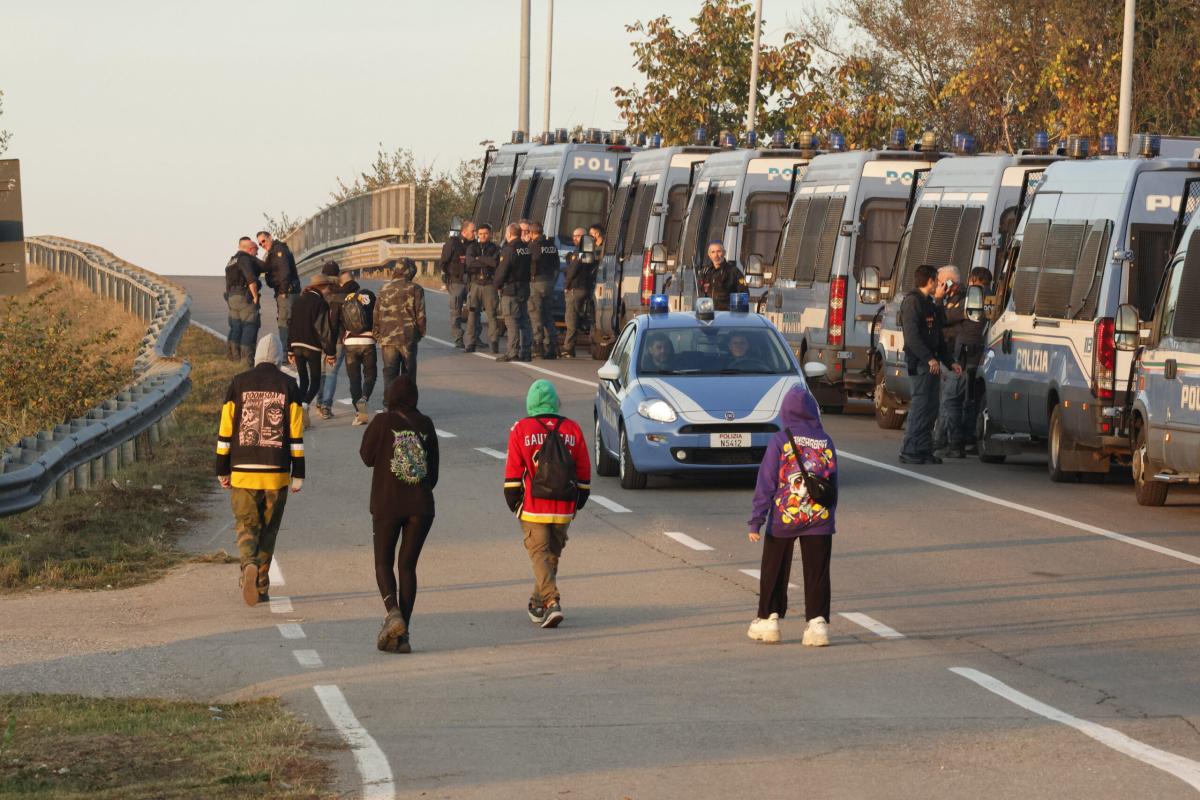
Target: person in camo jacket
x,y
400,322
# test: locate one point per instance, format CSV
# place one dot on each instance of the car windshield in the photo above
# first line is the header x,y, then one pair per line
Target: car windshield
x,y
713,351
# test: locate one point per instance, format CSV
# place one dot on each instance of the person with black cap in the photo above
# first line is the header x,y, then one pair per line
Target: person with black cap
x,y
310,338
400,322
401,447
329,372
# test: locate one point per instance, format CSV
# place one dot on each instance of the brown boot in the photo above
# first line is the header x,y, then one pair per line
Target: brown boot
x,y
392,631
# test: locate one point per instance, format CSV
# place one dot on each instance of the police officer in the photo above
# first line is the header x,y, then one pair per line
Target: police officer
x,y
453,264
577,287
482,258
720,278
241,296
924,352
950,296
280,268
543,275
512,281
400,322
968,351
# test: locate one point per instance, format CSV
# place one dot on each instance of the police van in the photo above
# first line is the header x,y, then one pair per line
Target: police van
x,y
648,208
500,168
965,212
846,217
1098,233
1163,423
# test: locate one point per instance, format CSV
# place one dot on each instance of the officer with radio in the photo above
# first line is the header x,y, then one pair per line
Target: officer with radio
x,y
964,338
578,286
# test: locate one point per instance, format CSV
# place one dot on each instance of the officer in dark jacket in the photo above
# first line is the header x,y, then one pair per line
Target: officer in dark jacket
x,y
483,256
578,285
545,266
280,268
453,266
720,278
241,296
512,281
924,353
964,338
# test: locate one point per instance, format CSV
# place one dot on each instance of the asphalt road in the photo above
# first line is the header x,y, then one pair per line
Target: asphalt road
x,y
1009,636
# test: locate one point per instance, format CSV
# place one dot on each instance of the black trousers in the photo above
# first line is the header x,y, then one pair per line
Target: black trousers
x,y
361,369
398,584
815,552
308,367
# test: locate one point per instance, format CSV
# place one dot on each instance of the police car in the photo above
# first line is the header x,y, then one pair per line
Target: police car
x,y
688,392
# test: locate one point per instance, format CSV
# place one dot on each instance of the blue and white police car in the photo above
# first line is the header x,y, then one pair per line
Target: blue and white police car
x,y
691,392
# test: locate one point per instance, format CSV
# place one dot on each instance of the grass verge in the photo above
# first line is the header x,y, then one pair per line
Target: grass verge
x,y
69,747
124,533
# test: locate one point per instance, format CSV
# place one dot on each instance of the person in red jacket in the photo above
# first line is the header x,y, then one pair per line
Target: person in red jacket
x,y
544,521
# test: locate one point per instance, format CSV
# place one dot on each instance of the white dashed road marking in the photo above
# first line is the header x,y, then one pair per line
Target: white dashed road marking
x,y
757,575
308,659
1185,769
524,365
873,625
445,434
281,605
275,573
611,505
686,540
344,401
378,783
487,451
291,630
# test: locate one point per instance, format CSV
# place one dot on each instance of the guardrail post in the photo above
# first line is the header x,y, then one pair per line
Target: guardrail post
x,y
128,453
83,477
62,487
112,461
97,467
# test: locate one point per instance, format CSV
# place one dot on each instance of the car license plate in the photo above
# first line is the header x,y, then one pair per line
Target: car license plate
x,y
843,354
729,440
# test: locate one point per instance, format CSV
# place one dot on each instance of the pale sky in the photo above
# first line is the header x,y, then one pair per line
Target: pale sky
x,y
162,130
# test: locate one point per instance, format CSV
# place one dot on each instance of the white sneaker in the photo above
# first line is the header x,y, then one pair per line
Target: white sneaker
x,y
765,630
817,633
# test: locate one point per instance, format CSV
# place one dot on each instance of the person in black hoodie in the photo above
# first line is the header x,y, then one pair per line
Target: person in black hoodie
x,y
310,338
401,446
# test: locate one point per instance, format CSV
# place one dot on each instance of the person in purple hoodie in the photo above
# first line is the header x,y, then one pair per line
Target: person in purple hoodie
x,y
798,471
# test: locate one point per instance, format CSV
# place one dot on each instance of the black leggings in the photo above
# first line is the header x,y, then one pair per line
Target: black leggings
x,y
815,551
308,367
410,532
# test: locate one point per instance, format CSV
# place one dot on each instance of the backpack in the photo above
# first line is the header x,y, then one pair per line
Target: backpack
x,y
554,476
805,489
409,462
357,313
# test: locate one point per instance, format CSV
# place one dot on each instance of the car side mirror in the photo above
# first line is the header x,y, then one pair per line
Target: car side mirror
x,y
658,259
1126,327
609,372
975,306
587,249
868,285
815,369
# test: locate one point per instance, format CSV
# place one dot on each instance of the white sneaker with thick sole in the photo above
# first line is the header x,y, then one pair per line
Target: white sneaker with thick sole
x,y
817,633
765,630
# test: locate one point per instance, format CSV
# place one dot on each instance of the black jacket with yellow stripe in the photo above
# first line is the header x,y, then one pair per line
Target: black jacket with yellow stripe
x,y
260,444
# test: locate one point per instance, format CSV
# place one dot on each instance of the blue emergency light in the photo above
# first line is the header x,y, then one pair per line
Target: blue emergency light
x,y
779,139
700,136
1041,143
1108,144
898,139
752,139
656,140
837,142
728,140
739,301
659,304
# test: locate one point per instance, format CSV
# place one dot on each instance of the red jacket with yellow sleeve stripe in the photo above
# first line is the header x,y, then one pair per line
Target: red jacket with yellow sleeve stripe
x,y
524,440
260,443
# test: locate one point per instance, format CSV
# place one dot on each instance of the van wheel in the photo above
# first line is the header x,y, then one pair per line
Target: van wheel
x,y
1148,491
606,465
887,416
981,433
1058,442
630,477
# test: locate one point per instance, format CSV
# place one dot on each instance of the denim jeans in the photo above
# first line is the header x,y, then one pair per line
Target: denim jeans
x,y
398,359
922,414
949,429
243,321
545,335
329,373
361,370
576,309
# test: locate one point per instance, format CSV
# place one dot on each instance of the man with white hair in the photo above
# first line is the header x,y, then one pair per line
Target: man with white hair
x,y
951,298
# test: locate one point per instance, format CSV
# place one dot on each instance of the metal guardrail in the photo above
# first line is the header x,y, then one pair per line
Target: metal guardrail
x,y
82,452
366,257
385,213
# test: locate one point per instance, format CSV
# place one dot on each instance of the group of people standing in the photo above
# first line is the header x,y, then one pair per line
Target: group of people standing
x,y
245,274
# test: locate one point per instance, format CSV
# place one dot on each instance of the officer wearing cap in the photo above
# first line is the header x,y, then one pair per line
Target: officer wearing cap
x,y
280,268
720,278
453,265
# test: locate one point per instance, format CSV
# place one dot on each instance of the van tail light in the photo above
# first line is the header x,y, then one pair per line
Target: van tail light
x,y
837,311
647,278
1104,359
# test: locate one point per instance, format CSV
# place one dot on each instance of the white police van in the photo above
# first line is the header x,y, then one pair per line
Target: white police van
x,y
1098,233
965,212
1163,422
648,208
846,218
500,168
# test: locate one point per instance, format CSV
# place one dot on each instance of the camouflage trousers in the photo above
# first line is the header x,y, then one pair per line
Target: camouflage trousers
x,y
256,517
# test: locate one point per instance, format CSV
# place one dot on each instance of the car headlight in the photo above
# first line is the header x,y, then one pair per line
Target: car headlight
x,y
657,410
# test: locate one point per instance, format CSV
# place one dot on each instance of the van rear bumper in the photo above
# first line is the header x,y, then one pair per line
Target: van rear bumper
x,y
847,368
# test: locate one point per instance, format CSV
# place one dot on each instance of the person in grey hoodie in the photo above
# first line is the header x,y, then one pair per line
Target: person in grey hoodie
x,y
783,502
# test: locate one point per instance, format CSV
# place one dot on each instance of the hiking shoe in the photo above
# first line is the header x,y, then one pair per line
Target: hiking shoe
x,y
566,354
765,630
249,584
402,645
526,359
817,633
554,615
951,452
264,597
325,411
537,613
360,413
507,357
459,346
390,632
469,348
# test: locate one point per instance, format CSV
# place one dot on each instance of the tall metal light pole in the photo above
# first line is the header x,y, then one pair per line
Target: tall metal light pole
x,y
549,62
750,112
523,72
1125,108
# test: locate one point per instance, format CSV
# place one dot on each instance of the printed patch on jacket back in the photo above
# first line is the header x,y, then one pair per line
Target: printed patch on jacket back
x,y
264,415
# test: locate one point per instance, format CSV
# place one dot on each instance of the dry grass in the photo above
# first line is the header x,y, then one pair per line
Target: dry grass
x,y
68,747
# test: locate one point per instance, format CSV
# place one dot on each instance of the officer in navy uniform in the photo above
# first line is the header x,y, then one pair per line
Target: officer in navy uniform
x,y
512,281
543,276
279,265
720,278
453,264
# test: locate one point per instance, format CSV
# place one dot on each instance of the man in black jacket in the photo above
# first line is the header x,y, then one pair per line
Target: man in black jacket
x,y
482,258
280,268
964,339
357,323
924,353
512,281
241,297
544,274
720,278
453,265
578,285
329,372
310,338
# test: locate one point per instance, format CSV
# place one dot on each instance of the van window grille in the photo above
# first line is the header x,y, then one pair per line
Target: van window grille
x,y
676,208
882,226
941,238
516,209
829,238
1029,265
718,221
966,241
765,214
814,224
635,240
583,204
1151,246
918,243
1063,245
1089,271
790,254
539,198
615,213
1186,325
691,231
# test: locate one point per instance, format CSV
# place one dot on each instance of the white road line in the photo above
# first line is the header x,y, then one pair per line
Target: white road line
x,y
378,783
1036,512
291,630
611,505
523,365
309,659
873,625
223,337
1185,769
686,540
487,451
281,605
344,400
275,573
445,434
757,575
